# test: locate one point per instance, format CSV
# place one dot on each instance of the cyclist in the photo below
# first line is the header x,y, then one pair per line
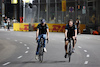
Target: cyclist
x,y
70,32
42,29
78,25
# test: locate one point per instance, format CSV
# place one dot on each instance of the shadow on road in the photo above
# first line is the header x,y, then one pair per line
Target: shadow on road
x,y
37,62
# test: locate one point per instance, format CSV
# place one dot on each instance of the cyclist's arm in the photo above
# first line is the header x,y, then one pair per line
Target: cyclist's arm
x,y
37,33
75,31
48,33
66,33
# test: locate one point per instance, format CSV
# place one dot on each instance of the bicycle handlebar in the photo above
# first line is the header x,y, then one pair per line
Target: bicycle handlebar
x,y
45,39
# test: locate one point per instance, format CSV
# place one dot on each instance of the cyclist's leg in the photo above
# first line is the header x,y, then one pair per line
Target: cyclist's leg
x,y
66,43
44,36
74,42
37,52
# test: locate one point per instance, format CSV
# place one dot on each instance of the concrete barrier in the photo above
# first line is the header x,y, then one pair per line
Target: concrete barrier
x,y
58,27
21,27
52,27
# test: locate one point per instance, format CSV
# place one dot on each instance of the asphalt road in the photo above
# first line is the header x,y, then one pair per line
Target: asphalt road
x,y
17,49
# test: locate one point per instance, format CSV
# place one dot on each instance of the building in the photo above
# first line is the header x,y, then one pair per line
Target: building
x,y
88,11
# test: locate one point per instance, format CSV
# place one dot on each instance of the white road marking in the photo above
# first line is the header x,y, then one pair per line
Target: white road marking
x,y
20,57
85,50
79,47
21,42
16,40
88,55
86,62
6,63
26,52
25,44
28,48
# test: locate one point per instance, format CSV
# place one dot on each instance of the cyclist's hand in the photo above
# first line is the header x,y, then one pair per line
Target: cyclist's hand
x,y
74,37
47,38
36,38
66,38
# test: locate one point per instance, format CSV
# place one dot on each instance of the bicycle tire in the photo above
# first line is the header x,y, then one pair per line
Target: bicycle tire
x,y
69,53
41,54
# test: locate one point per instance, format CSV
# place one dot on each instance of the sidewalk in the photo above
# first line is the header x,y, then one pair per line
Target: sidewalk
x,y
2,29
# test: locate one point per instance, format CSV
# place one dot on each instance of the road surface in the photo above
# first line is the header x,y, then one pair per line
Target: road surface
x,y
17,49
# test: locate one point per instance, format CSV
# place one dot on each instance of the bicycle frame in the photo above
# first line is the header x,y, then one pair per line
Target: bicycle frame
x,y
70,48
41,50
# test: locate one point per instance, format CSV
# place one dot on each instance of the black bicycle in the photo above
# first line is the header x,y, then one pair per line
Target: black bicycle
x,y
70,44
41,50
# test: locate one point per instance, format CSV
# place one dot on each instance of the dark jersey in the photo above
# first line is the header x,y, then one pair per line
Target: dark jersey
x,y
77,23
71,30
5,20
42,29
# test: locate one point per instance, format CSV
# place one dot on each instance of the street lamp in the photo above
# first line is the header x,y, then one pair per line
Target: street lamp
x,y
23,11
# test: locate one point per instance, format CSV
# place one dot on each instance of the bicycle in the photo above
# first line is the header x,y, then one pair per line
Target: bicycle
x,y
71,42
41,50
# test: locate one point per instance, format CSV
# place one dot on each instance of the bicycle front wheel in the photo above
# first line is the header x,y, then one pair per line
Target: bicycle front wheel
x,y
69,58
69,53
41,55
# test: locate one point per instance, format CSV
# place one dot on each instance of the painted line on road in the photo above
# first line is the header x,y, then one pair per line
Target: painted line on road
x,y
21,42
25,44
86,62
88,55
6,63
26,52
20,57
85,50
28,48
79,47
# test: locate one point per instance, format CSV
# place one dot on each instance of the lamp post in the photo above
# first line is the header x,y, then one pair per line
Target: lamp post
x,y
24,2
3,11
23,11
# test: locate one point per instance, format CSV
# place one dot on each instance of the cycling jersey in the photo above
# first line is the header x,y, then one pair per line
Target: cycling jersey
x,y
71,30
77,24
5,20
42,29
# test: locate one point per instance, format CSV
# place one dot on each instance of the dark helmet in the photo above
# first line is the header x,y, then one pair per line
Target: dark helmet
x,y
43,21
